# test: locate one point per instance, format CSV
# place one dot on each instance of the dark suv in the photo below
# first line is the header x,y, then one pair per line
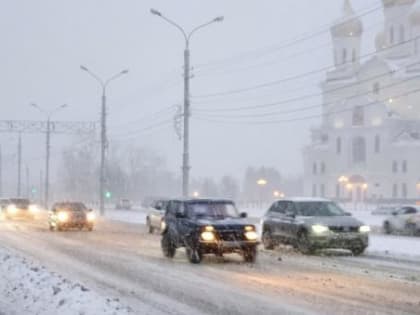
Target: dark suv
x,y
67,215
207,226
311,224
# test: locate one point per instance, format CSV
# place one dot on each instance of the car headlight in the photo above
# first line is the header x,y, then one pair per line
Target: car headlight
x,y
12,209
364,229
251,235
162,225
249,228
319,229
208,236
63,216
33,208
90,217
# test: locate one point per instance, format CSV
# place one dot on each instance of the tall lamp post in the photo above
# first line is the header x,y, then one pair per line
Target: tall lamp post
x,y
104,142
187,36
48,114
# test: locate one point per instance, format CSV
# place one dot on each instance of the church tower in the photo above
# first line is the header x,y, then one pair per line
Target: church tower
x,y
397,28
346,35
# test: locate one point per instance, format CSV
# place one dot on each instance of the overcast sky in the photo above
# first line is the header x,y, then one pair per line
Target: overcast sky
x,y
43,43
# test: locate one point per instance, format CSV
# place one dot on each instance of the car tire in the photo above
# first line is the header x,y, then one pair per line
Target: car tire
x,y
194,255
357,251
150,228
250,254
303,244
387,227
267,240
168,247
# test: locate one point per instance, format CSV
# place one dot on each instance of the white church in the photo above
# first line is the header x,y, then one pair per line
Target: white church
x,y
367,148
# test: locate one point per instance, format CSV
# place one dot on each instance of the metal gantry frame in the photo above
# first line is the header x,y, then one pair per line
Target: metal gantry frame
x,y
47,127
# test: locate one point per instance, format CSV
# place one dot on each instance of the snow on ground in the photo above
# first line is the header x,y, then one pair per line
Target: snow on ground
x,y
26,287
136,215
403,247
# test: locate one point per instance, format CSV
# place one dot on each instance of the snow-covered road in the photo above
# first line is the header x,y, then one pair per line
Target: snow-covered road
x,y
121,261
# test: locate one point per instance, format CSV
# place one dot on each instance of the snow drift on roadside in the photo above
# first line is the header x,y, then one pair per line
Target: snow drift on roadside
x,y
28,288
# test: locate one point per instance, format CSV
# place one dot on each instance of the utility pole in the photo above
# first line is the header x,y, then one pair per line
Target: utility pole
x,y
48,114
187,108
28,194
47,163
104,140
19,167
41,176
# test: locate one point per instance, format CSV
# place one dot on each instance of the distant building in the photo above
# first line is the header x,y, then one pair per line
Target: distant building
x,y
367,147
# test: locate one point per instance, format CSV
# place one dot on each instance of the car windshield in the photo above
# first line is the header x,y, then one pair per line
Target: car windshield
x,y
319,209
74,207
218,210
20,202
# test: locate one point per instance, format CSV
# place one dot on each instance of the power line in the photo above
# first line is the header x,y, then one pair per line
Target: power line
x,y
285,44
310,116
297,76
308,96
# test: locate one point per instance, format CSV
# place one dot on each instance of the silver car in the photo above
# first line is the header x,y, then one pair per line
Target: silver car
x,y
401,220
311,224
155,216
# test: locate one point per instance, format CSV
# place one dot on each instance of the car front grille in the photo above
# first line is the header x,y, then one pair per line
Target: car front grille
x,y
231,236
344,229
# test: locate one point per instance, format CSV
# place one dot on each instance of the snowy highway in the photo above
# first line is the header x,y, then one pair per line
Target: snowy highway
x,y
121,261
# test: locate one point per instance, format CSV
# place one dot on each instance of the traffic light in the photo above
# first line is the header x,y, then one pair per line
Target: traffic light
x,y
108,195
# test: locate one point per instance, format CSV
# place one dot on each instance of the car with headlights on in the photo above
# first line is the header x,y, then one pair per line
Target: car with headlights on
x,y
71,215
311,224
207,226
155,215
19,208
402,220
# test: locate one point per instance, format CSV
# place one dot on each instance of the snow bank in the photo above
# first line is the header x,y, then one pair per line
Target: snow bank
x,y
29,288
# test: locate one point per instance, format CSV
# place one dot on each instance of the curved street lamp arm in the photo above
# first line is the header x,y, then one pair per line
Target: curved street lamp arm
x,y
114,77
202,26
97,78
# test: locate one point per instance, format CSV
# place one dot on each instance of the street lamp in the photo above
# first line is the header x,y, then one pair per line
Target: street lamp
x,y
104,142
187,36
48,114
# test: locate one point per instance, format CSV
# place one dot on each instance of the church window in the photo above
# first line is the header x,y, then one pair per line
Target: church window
x,y
314,169
322,168
395,191
402,34
391,35
377,144
358,116
394,167
404,190
359,150
338,145
354,57
376,88
404,166
322,190
344,56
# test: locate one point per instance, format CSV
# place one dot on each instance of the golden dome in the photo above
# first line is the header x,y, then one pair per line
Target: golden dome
x,y
349,25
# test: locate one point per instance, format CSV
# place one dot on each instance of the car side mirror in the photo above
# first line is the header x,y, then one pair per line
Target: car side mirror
x,y
243,215
158,207
347,214
290,215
